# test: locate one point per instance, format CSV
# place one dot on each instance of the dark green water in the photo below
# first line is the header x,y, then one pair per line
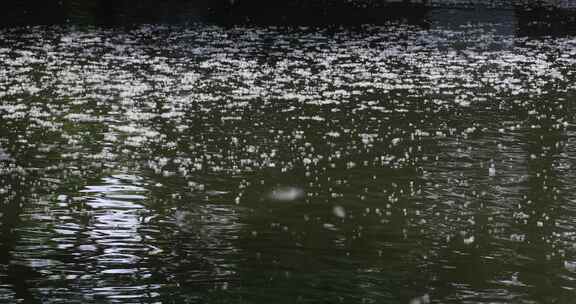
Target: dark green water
x,y
273,165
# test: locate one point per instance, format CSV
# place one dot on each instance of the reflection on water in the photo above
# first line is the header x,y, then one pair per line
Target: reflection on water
x,y
263,165
543,17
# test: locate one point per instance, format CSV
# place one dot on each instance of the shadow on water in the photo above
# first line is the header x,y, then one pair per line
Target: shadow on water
x,y
547,201
101,12
224,12
501,262
13,199
529,19
545,22
322,12
17,186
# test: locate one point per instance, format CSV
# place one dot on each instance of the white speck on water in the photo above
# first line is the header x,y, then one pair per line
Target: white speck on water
x,y
251,149
286,194
329,226
425,299
339,211
492,170
469,240
570,266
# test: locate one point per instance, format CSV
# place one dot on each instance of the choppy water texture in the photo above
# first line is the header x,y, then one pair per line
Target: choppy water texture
x,y
270,165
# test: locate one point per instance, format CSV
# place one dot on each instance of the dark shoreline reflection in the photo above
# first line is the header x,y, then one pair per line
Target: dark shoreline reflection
x,y
225,12
545,21
525,19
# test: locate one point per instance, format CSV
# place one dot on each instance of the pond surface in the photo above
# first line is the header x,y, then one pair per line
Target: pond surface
x,y
203,164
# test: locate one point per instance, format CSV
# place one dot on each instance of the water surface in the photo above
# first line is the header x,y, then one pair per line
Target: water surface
x,y
204,164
